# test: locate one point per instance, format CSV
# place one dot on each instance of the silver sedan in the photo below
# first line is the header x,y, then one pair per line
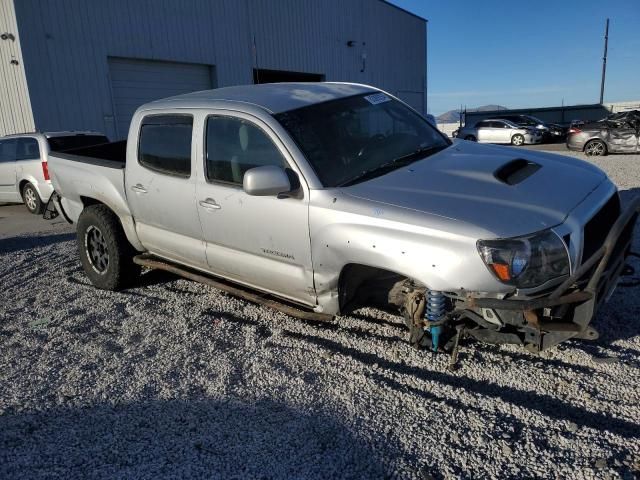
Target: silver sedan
x,y
500,131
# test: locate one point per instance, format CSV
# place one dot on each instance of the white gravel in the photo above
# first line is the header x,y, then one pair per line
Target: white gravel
x,y
173,379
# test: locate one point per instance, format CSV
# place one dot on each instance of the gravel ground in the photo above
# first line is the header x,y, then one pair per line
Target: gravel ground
x,y
173,379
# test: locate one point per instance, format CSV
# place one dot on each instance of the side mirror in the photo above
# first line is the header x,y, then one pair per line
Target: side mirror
x,y
269,180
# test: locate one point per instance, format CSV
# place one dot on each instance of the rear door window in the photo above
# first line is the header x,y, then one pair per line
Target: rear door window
x,y
27,149
8,150
165,144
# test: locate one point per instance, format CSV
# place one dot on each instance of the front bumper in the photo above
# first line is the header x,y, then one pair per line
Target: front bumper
x,y
567,311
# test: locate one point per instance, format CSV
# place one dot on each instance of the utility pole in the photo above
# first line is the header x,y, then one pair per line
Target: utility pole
x,y
604,61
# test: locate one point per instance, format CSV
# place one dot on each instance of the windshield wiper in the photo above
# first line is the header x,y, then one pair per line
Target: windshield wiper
x,y
419,154
402,161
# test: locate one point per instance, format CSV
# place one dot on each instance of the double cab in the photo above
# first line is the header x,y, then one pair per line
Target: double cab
x,y
332,196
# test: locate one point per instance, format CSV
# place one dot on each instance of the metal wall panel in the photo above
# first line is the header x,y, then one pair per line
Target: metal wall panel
x,y
388,45
135,82
67,43
15,108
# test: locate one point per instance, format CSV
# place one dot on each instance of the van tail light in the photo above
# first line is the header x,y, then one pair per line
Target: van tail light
x,y
573,130
45,170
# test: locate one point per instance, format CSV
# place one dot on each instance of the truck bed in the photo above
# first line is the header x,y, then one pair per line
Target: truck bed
x,y
110,155
94,173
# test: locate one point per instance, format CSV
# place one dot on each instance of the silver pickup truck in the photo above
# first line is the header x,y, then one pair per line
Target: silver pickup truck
x,y
328,197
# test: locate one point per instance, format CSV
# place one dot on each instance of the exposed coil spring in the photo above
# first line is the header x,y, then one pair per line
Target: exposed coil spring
x,y
436,305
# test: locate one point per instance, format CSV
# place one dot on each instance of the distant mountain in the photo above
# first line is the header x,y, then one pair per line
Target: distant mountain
x,y
454,115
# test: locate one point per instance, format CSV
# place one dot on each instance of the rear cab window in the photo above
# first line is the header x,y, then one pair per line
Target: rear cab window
x,y
164,144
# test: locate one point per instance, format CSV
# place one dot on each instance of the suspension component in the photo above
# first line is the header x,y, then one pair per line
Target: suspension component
x,y
436,309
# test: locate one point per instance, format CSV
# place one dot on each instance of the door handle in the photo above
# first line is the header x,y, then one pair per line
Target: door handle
x,y
138,188
210,203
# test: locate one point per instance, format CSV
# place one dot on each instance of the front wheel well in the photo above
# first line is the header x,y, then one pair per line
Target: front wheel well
x,y
363,285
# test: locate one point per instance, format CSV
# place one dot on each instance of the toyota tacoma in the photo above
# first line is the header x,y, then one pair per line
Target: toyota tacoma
x,y
321,198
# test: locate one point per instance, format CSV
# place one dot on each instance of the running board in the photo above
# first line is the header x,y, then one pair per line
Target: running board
x,y
267,300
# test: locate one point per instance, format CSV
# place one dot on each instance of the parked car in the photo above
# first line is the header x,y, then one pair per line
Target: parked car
x,y
549,131
618,133
333,196
500,131
24,175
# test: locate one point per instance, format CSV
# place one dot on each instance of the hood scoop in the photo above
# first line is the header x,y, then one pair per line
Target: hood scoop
x,y
516,171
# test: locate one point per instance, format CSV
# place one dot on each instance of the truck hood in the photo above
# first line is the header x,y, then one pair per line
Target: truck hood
x,y
506,191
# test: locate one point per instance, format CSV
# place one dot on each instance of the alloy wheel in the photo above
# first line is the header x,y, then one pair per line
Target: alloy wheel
x,y
96,249
595,149
30,198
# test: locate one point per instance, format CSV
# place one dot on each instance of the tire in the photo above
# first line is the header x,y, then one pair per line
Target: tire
x,y
595,148
517,140
105,253
31,199
470,138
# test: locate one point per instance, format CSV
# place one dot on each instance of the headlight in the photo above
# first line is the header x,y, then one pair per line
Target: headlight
x,y
527,261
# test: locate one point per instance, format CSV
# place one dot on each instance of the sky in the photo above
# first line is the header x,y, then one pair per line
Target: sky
x,y
528,54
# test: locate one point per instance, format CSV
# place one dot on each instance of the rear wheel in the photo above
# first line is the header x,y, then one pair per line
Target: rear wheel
x,y
32,199
595,148
471,138
105,253
517,140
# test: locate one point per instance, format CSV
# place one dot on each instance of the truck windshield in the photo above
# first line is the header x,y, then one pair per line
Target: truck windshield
x,y
356,138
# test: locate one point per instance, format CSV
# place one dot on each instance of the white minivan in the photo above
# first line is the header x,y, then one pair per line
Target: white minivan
x,y
24,174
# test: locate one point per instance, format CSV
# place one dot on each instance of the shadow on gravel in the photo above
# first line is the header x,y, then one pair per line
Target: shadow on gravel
x,y
545,404
155,277
26,242
181,439
528,357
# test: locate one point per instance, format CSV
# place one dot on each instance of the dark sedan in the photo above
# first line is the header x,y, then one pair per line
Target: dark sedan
x,y
618,133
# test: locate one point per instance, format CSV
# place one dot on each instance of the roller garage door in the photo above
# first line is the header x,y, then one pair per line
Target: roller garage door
x,y
135,82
